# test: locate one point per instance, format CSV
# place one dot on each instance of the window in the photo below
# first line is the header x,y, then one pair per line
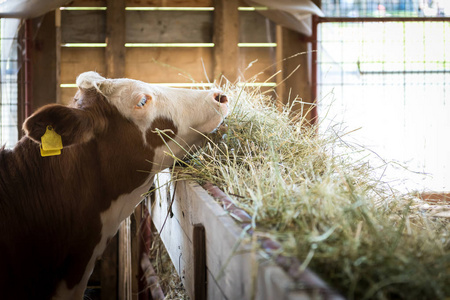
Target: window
x,y
9,85
389,80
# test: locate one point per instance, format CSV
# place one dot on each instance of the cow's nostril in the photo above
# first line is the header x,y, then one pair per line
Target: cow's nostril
x,y
221,98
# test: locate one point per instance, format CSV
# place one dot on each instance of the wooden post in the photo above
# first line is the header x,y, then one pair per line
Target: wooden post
x,y
125,282
58,54
108,277
44,63
199,244
115,38
294,81
116,255
226,39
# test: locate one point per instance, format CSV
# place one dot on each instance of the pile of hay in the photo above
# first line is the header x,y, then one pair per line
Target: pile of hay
x,y
322,200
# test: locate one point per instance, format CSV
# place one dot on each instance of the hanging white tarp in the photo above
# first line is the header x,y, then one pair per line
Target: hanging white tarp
x,y
292,14
26,9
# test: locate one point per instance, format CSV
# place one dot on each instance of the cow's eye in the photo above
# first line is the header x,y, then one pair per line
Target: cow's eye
x,y
142,101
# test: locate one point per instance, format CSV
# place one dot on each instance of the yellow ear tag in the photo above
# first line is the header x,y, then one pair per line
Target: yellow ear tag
x,y
51,143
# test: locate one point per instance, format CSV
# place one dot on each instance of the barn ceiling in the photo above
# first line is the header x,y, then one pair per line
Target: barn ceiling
x,y
26,9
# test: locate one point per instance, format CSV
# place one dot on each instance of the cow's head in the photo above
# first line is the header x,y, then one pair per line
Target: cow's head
x,y
178,116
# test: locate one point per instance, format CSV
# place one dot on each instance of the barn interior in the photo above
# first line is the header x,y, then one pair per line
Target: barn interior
x,y
377,70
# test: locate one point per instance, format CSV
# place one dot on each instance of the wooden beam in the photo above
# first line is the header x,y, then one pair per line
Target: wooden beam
x,y
294,80
143,3
115,38
115,67
226,38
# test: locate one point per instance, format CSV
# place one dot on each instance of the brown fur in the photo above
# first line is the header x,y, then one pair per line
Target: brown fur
x,y
50,206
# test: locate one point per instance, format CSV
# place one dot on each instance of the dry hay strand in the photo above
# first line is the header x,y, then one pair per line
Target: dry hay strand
x,y
169,280
323,201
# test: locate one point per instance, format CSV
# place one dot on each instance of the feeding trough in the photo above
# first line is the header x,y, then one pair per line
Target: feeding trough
x,y
309,205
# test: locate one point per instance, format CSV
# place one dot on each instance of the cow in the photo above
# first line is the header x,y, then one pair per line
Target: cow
x,y
58,211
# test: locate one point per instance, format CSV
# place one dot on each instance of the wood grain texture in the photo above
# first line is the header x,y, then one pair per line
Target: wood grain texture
x,y
293,59
44,62
177,234
124,260
143,3
115,39
83,26
257,64
87,3
163,65
75,61
169,26
141,26
234,269
171,3
58,54
255,28
226,38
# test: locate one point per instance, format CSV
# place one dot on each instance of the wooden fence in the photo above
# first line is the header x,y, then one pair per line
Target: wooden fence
x,y
181,43
178,43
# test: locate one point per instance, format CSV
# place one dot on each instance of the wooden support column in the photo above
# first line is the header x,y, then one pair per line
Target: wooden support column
x,y
124,252
115,38
294,80
116,255
44,61
226,39
200,281
108,277
58,54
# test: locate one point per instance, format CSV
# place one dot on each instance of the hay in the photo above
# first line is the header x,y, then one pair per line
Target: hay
x,y
169,280
322,200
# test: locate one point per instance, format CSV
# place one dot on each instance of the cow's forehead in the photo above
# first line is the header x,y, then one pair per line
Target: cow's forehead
x,y
126,89
123,87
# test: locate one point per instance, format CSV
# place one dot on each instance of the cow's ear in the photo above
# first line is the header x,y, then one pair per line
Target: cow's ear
x,y
73,125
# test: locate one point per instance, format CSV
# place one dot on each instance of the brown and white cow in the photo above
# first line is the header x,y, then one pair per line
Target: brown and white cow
x,y
57,213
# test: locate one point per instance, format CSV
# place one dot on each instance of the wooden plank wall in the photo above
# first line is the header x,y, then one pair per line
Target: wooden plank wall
x,y
153,35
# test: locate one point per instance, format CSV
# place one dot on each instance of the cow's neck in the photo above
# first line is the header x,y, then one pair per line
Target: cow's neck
x,y
96,184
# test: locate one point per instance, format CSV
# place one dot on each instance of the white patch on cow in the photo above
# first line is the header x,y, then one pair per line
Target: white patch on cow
x,y
111,219
196,109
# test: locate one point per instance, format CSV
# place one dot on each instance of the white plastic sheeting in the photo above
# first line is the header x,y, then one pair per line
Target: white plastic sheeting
x,y
26,9
292,14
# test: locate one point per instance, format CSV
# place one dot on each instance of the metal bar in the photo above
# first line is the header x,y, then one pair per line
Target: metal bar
x,y
28,68
314,111
382,19
403,72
